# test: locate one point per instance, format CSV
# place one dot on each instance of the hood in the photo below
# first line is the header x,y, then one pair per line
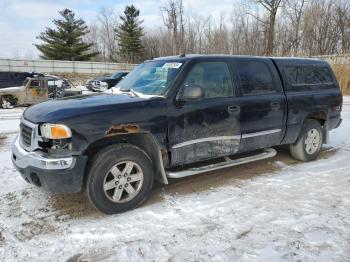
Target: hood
x,y
13,89
105,78
54,111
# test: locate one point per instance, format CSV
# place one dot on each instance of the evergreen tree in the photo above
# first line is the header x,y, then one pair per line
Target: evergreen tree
x,y
65,42
129,34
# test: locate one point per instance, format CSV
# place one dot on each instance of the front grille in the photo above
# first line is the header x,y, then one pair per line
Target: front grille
x,y
26,134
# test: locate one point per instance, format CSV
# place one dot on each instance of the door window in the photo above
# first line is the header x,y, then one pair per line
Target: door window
x,y
255,78
213,77
35,84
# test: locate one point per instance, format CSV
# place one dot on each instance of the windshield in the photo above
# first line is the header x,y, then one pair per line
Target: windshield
x,y
116,75
151,78
26,81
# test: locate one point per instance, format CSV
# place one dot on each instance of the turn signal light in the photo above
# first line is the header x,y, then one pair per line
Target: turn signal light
x,y
55,131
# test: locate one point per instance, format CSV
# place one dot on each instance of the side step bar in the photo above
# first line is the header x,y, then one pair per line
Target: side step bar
x,y
267,153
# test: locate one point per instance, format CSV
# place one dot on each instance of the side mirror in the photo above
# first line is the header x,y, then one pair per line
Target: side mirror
x,y
191,92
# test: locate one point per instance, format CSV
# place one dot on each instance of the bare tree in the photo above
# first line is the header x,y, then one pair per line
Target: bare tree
x,y
284,37
173,18
94,37
195,33
107,20
320,32
272,7
288,27
342,17
294,10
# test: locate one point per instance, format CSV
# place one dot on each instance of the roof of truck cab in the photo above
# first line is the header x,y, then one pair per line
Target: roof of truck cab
x,y
278,60
201,56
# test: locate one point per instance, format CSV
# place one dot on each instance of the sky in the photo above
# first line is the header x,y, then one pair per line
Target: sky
x,y
22,20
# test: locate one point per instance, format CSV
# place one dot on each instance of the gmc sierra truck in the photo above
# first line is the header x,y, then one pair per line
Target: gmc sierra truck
x,y
174,117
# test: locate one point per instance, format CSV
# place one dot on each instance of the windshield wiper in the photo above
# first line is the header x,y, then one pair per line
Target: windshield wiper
x,y
130,90
134,93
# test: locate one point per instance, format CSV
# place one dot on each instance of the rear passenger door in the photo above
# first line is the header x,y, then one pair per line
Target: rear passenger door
x,y
263,104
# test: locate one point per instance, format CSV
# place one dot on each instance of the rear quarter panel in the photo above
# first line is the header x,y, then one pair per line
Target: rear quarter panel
x,y
309,104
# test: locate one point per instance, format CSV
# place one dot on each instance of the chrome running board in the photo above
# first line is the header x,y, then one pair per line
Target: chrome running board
x,y
267,153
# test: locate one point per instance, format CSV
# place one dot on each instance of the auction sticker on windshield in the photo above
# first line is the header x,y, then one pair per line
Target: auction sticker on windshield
x,y
172,65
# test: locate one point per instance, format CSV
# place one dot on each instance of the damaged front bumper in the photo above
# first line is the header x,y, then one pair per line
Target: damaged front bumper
x,y
62,175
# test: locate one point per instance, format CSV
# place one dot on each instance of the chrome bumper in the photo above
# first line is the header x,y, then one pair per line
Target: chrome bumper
x,y
22,159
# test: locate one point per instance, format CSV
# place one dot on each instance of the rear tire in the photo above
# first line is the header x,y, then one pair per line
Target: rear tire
x,y
120,178
309,143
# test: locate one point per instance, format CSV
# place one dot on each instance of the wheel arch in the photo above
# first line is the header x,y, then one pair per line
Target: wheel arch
x,y
298,150
322,118
145,141
13,97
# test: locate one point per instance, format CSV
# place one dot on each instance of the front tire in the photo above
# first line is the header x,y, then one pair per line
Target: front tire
x,y
309,143
120,178
7,102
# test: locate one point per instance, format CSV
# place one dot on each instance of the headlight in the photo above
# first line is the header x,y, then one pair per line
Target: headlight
x,y
55,131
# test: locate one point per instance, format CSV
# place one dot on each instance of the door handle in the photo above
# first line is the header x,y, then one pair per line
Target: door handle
x,y
275,105
234,109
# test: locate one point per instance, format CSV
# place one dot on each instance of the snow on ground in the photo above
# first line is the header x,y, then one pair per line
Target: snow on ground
x,y
9,121
271,210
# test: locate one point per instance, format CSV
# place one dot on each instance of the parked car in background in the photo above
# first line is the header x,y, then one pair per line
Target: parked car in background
x,y
101,84
11,79
174,117
60,87
37,89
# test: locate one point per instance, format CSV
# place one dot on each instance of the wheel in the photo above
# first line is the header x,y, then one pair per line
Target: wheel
x,y
120,178
7,102
309,143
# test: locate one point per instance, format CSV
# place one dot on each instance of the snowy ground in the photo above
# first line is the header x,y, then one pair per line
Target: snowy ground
x,y
272,210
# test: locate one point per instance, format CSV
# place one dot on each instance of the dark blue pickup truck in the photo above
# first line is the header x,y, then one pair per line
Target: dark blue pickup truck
x,y
174,117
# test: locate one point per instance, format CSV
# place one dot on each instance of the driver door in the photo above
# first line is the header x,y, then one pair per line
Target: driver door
x,y
36,91
208,127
